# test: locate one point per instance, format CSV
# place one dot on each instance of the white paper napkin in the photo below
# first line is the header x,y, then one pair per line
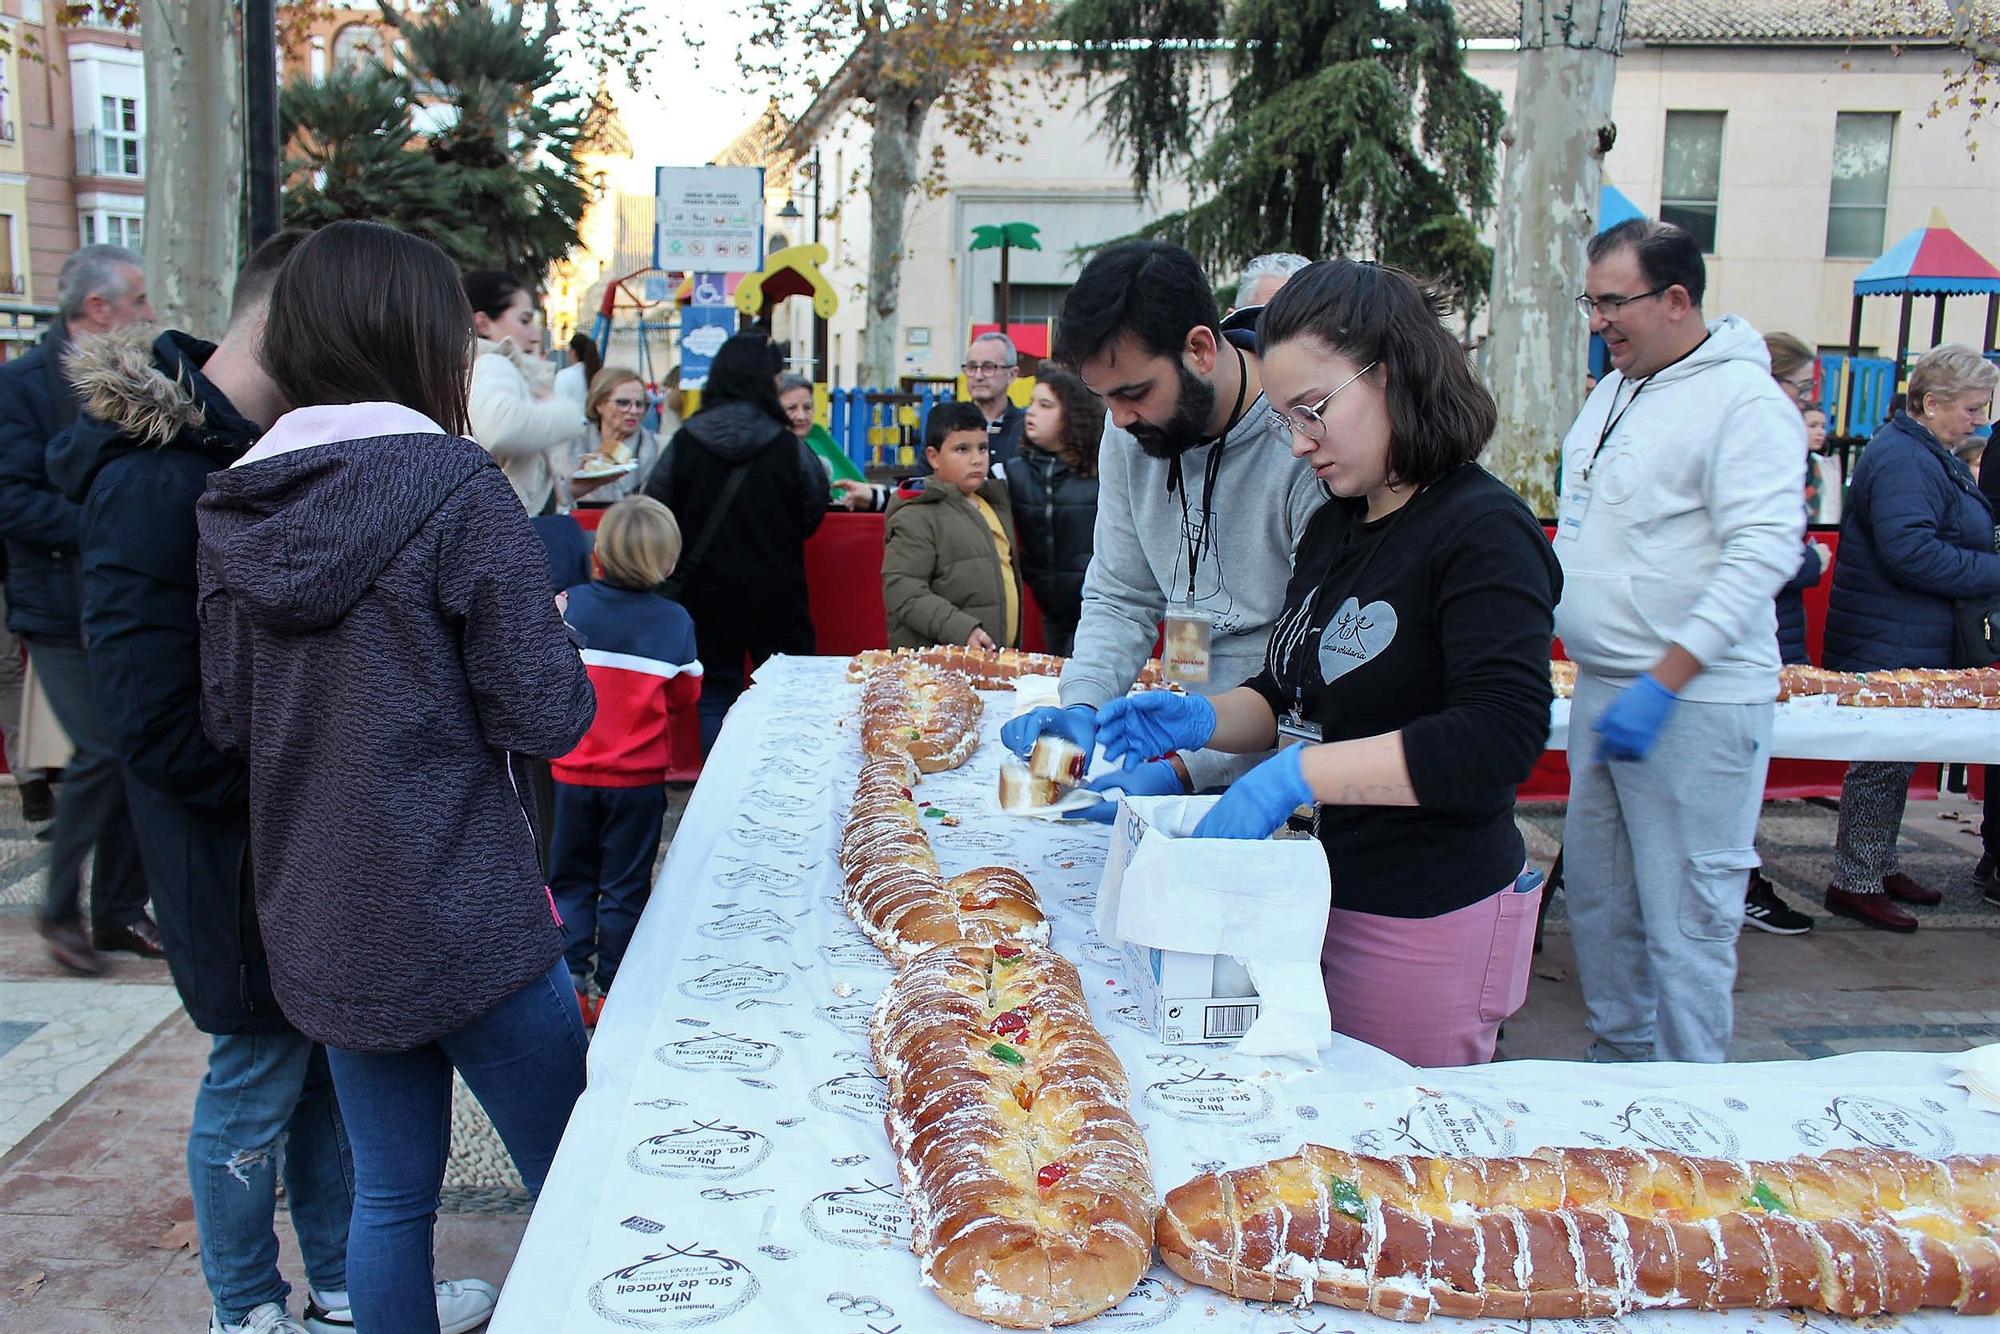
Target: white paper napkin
x,y
1264,902
1978,1074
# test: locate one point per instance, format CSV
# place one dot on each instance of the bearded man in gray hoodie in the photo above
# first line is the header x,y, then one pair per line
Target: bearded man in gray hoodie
x,y
1199,501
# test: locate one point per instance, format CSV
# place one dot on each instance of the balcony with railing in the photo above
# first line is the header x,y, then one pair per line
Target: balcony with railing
x,y
118,156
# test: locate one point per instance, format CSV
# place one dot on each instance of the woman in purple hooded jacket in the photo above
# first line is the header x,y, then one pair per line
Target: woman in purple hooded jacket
x,y
381,643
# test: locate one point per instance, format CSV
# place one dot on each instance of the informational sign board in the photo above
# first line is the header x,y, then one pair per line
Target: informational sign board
x,y
709,218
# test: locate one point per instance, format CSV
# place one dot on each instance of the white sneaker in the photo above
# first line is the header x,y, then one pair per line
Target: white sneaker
x,y
270,1318
463,1304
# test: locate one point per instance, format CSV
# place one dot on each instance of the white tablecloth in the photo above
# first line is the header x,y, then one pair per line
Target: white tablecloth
x,y
1815,728
727,1167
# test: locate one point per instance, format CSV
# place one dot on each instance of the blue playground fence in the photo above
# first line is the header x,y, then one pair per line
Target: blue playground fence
x,y
882,428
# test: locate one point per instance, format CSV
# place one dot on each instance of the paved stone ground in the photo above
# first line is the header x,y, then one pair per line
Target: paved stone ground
x,y
94,1205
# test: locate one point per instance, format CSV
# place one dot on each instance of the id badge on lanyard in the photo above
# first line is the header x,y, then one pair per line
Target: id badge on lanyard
x,y
1190,633
1575,504
1294,726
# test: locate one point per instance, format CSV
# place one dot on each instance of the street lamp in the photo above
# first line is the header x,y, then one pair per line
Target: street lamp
x,y
790,212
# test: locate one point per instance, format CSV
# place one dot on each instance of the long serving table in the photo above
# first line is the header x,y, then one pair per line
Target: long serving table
x,y
727,1167
1816,728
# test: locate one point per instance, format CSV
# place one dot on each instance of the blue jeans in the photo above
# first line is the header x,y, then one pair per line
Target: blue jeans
x,y
267,1105
601,858
523,1060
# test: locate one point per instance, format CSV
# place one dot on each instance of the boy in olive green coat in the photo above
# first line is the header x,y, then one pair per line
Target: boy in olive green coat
x,y
950,569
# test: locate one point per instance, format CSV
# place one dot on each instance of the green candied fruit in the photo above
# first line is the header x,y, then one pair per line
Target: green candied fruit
x,y
1347,1199
1766,1199
1007,1054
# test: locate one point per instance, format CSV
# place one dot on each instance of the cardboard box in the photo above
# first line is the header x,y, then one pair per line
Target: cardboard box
x,y
1190,998
1185,997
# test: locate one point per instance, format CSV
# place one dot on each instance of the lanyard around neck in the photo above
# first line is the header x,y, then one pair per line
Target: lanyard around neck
x,y
1198,538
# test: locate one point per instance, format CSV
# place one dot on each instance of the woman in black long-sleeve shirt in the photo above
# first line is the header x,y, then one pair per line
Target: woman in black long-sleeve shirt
x,y
1412,657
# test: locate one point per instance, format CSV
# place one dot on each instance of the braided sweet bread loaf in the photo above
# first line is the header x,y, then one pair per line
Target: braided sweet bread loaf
x,y
895,891
1025,1174
911,708
988,669
1594,1232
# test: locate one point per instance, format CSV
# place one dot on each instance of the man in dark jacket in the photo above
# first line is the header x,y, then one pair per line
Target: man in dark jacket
x,y
101,288
160,415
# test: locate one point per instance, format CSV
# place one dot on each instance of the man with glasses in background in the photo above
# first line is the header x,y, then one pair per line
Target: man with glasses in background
x,y
991,364
1679,521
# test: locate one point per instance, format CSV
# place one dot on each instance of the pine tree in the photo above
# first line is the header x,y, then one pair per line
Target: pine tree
x,y
1349,127
351,152
494,182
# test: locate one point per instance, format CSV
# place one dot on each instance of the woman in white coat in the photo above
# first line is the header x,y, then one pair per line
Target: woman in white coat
x,y
515,412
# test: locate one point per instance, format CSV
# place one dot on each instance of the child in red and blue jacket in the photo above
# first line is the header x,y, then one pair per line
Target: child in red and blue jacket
x,y
611,793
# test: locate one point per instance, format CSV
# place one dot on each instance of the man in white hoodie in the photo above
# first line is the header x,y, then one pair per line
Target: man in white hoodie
x,y
1680,520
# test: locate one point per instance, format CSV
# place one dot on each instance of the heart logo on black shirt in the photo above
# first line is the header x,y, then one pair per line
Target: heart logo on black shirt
x,y
1355,635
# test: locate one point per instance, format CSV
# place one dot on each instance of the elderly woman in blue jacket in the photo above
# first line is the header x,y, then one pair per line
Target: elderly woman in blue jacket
x,y
1918,535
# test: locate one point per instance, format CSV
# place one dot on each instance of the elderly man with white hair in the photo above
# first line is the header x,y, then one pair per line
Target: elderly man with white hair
x,y
100,288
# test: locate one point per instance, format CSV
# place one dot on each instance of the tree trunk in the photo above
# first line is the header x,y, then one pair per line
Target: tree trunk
x,y
892,174
1556,136
194,160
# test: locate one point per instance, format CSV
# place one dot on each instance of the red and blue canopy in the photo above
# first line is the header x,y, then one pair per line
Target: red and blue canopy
x,y
1931,260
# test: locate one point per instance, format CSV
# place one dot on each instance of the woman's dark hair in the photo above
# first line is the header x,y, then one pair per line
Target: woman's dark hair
x,y
404,336
1440,416
1152,290
491,291
584,348
745,370
1083,419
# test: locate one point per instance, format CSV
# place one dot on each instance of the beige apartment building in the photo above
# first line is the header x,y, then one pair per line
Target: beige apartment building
x,y
73,157
1796,151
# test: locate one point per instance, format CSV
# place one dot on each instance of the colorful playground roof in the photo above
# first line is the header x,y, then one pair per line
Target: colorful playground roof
x,y
1931,260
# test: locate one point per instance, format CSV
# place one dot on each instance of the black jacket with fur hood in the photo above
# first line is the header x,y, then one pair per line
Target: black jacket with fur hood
x,y
153,429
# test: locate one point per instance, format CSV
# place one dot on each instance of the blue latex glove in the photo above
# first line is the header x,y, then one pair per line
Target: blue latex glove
x,y
1629,728
1155,778
1078,722
1258,802
1139,727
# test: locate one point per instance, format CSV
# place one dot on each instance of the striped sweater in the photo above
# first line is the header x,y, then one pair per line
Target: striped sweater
x,y
639,650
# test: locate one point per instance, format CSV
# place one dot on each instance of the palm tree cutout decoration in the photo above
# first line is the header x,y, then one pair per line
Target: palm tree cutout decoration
x,y
1008,236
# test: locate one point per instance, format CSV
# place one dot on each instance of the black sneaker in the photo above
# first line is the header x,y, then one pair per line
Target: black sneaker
x,y
1986,875
1763,909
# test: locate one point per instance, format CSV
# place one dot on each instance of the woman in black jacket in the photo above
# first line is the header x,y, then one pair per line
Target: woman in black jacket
x,y
749,494
1053,486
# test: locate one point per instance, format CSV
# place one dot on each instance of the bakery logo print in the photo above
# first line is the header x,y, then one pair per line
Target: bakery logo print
x,y
1445,1125
1210,1097
756,834
745,922
859,1217
1355,635
1875,1123
732,981
973,840
1151,1303
720,1051
853,951
848,1016
704,1151
682,1287
1678,1127
861,1094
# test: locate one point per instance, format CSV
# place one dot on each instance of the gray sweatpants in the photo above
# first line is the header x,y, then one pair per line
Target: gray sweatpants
x,y
1654,856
